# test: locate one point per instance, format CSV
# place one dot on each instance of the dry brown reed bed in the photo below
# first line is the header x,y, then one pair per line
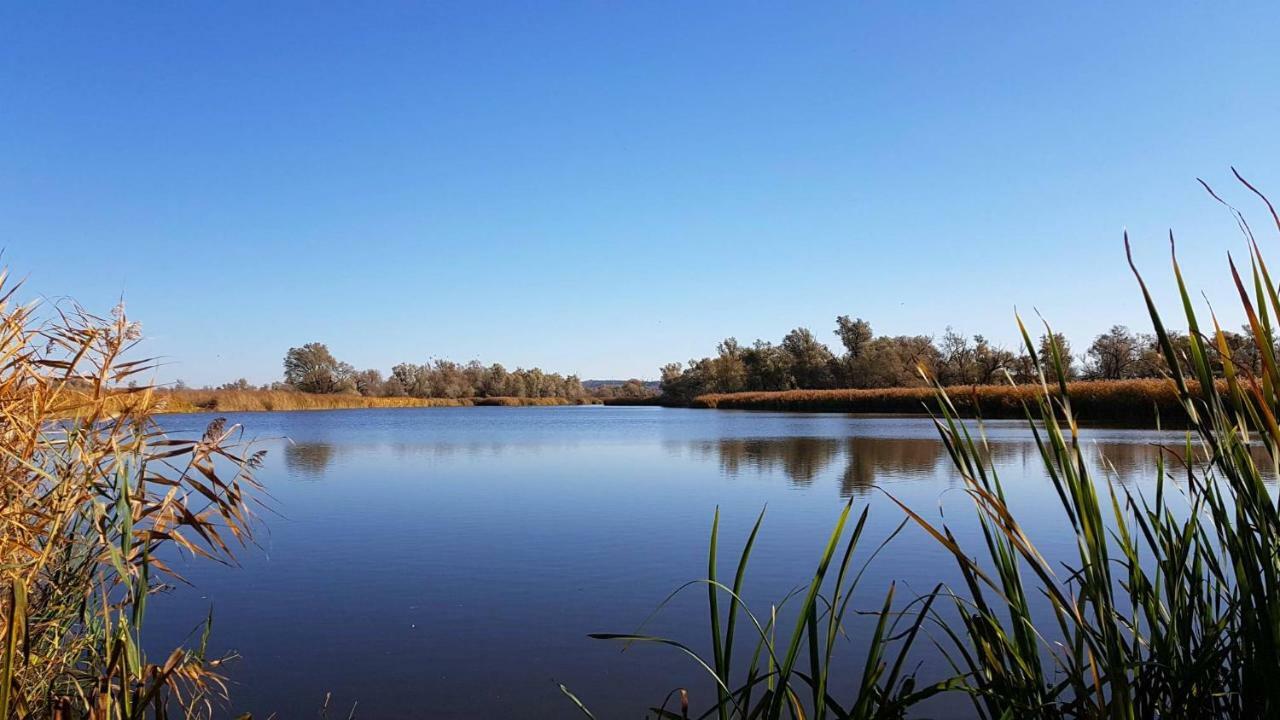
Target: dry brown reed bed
x,y
633,402
195,401
1095,401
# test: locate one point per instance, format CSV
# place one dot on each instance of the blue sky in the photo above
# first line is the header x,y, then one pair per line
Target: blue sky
x,y
602,187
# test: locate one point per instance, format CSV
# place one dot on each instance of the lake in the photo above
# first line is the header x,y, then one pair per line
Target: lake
x,y
450,561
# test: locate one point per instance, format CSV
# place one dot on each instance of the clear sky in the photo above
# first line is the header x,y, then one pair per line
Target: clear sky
x,y
600,188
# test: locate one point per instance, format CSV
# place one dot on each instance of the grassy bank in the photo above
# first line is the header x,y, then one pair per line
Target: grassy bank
x,y
193,401
1098,401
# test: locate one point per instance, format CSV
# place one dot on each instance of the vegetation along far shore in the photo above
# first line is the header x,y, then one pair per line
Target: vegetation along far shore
x,y
1121,378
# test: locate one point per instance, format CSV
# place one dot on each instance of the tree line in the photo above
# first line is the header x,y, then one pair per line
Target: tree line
x,y
799,362
802,361
313,368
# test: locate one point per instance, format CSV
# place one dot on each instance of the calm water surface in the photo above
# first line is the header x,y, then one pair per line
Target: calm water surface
x,y
449,562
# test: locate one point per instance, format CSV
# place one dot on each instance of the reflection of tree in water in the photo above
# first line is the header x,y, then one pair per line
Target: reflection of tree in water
x,y
869,459
314,457
1126,462
1122,462
308,458
801,458
1136,462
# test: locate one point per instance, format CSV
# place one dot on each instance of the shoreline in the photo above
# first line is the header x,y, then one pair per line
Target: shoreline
x,y
1124,403
1137,403
180,402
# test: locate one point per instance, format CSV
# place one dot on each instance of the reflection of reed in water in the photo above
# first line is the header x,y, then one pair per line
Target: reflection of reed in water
x,y
901,459
308,458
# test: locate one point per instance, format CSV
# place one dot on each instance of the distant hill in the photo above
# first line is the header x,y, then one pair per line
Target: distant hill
x,y
593,384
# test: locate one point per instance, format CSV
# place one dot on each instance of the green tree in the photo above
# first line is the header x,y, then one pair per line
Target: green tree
x,y
312,368
854,335
728,371
811,361
768,367
677,383
1064,351
895,362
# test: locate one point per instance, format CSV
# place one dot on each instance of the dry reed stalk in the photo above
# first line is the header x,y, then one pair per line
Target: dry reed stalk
x,y
93,497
